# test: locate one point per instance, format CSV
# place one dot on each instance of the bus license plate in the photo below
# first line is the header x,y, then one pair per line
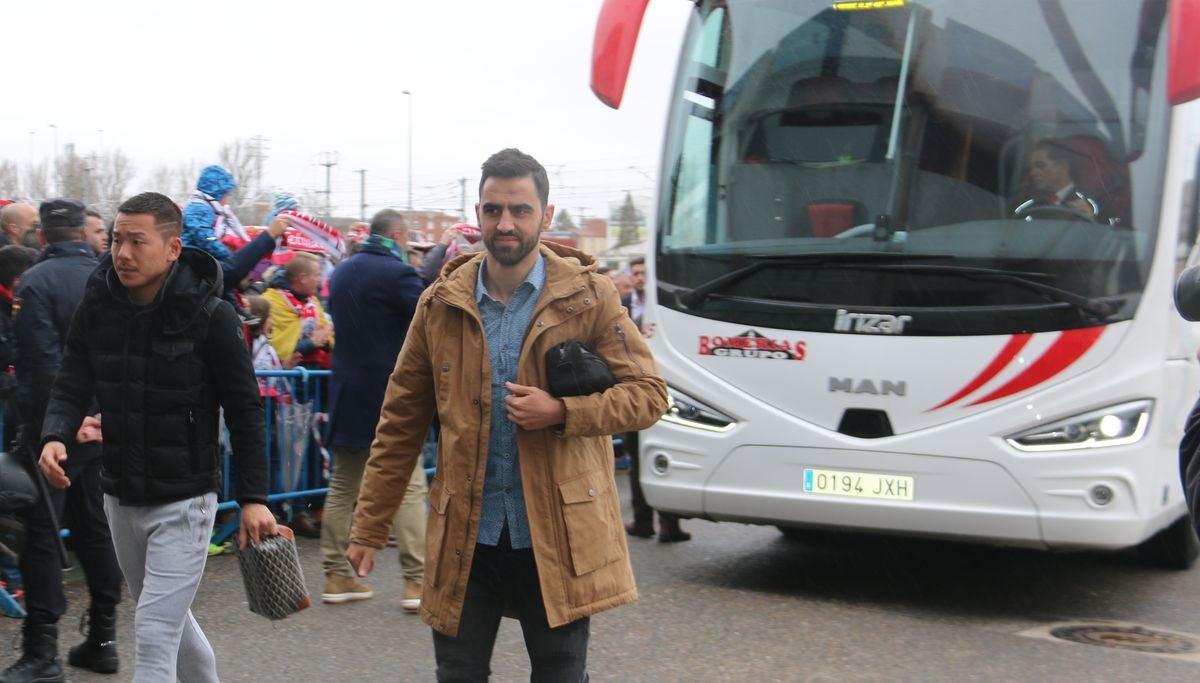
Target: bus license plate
x,y
858,484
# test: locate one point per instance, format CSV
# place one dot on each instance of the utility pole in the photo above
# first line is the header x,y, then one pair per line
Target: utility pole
x,y
462,204
259,152
409,94
330,160
362,192
87,177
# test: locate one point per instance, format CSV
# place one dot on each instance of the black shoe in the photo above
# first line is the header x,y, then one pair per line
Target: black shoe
x,y
669,531
99,651
674,536
39,661
639,531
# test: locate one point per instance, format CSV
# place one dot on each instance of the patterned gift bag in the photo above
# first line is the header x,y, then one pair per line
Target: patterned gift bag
x,y
271,571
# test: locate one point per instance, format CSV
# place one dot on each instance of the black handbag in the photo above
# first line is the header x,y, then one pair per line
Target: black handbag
x,y
573,370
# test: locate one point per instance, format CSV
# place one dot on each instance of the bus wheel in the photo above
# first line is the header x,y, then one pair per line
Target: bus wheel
x,y
1175,547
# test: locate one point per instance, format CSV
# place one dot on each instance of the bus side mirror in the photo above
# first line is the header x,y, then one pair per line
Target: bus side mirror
x,y
612,48
1183,57
1187,294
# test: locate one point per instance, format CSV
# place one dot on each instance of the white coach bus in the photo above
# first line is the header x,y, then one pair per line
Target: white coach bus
x,y
912,267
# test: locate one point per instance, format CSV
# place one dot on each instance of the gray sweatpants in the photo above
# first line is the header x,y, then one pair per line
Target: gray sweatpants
x,y
162,550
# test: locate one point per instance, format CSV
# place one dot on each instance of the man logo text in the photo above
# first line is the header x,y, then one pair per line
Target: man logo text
x,y
885,387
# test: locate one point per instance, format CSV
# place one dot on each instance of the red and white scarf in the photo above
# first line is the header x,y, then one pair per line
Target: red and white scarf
x,y
307,310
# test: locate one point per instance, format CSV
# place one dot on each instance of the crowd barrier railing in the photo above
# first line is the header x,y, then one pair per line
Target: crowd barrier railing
x,y
298,462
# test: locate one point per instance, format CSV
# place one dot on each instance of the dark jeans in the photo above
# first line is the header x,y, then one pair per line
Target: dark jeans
x,y
500,576
83,504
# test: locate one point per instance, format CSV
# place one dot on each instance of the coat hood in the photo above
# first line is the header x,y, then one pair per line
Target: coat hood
x,y
215,182
193,279
458,276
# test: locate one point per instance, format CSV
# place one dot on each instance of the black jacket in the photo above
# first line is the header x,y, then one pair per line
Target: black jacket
x,y
161,374
49,292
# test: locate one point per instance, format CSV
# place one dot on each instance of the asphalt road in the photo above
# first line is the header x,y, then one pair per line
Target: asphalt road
x,y
741,603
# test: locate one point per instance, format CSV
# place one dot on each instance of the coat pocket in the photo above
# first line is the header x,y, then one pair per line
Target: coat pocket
x,y
170,363
435,531
586,503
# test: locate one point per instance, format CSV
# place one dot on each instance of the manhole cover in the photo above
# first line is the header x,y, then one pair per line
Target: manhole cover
x,y
1134,638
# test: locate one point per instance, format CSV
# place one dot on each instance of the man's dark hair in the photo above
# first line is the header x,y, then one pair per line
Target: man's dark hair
x,y
93,213
384,222
167,217
14,260
61,233
513,163
1055,149
637,261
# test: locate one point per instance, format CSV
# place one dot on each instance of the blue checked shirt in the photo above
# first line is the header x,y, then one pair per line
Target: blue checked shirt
x,y
504,329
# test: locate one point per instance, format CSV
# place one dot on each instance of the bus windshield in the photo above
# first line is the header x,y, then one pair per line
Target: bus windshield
x,y
984,167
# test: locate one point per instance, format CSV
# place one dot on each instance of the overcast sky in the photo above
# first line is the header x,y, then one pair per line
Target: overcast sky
x,y
168,82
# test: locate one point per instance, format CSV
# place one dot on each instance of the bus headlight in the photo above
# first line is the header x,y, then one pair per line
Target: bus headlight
x,y
1113,426
688,412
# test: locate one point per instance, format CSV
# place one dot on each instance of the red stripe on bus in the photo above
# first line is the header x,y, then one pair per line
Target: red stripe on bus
x,y
1001,361
1065,350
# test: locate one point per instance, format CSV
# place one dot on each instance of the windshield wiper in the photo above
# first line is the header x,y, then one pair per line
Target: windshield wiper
x,y
1099,309
691,298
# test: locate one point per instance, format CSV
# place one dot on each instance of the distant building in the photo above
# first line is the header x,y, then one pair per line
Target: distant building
x,y
618,258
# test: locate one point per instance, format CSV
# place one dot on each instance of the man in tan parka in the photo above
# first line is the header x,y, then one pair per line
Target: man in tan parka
x,y
524,517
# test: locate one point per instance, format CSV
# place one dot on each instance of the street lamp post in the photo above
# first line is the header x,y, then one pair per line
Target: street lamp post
x,y
410,155
54,158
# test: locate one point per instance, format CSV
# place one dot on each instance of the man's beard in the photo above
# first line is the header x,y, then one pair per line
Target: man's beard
x,y
510,256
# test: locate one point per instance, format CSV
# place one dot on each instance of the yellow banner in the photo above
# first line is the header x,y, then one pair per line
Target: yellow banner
x,y
867,4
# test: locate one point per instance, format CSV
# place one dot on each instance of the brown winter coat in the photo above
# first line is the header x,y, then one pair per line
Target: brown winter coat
x,y
567,475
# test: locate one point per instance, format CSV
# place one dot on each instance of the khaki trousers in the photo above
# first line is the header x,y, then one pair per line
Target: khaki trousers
x,y
408,526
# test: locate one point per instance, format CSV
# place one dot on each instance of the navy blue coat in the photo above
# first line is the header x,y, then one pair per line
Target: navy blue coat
x,y
49,292
372,297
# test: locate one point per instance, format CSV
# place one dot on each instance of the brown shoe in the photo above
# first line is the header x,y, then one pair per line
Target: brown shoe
x,y
412,596
304,526
339,589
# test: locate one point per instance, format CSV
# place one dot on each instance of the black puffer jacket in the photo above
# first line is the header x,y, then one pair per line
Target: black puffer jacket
x,y
161,373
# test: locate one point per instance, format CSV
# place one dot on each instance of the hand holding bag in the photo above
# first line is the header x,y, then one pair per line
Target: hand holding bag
x,y
573,370
271,571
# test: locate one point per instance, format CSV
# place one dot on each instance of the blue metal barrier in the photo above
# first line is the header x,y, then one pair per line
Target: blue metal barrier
x,y
297,464
294,402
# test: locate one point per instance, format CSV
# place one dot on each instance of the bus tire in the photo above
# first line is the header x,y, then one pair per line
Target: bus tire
x,y
1175,547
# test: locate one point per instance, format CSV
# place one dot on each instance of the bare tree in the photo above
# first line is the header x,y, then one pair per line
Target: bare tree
x,y
177,182
238,157
70,173
10,182
37,182
109,176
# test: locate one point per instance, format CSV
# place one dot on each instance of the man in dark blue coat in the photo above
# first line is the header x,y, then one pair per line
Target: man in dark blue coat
x,y
372,297
48,294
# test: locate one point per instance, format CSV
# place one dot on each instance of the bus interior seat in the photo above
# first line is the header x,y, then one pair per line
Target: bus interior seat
x,y
831,217
1099,176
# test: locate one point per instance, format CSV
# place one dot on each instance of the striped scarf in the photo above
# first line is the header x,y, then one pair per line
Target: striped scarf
x,y
226,221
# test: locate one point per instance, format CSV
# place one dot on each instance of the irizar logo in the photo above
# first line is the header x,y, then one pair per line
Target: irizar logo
x,y
869,323
848,385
